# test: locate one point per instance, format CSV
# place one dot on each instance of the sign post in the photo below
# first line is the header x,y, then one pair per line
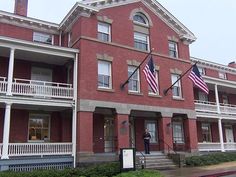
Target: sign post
x,y
127,159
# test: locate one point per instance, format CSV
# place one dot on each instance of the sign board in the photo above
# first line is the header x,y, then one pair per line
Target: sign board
x,y
127,159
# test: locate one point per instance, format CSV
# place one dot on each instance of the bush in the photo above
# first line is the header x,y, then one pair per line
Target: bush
x,y
210,159
140,173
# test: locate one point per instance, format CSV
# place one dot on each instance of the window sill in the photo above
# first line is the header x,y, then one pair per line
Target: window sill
x,y
178,99
106,90
154,96
135,93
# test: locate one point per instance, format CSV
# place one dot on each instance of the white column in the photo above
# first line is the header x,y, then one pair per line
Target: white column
x,y
74,118
10,72
217,99
221,135
6,131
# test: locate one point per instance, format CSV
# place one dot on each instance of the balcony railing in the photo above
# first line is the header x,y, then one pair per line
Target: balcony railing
x,y
3,85
34,149
36,88
211,107
216,146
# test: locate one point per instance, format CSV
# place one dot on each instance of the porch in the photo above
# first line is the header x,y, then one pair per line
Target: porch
x,y
216,146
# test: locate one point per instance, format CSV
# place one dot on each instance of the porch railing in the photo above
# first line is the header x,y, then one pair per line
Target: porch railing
x,y
42,89
216,146
3,84
0,150
211,107
34,149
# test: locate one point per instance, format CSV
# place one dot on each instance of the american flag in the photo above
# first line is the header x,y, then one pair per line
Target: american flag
x,y
150,75
196,77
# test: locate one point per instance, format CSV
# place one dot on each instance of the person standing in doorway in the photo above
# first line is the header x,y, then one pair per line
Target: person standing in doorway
x,y
146,139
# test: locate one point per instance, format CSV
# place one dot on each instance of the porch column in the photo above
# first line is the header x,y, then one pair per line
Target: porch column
x,y
221,135
217,99
10,71
6,131
74,117
191,134
85,132
166,134
122,131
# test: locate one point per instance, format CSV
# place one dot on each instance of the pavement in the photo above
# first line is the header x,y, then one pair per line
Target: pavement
x,y
227,169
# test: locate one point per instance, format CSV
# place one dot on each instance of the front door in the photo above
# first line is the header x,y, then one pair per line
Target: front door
x,y
108,135
229,134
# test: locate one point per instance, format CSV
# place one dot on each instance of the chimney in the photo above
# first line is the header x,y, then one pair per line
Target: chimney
x,y
21,7
232,64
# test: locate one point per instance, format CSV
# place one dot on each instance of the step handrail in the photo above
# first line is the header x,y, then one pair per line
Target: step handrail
x,y
140,153
169,147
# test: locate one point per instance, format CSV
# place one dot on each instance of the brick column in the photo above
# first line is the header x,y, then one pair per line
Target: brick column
x,y
191,139
85,132
165,134
122,131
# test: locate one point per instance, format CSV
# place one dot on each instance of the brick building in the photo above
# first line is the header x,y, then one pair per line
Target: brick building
x,y
60,97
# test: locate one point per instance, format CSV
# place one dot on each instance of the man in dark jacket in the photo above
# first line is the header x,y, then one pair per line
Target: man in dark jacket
x,y
146,139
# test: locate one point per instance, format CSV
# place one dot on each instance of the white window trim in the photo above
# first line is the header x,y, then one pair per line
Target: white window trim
x,y
49,127
144,17
182,131
110,79
222,74
176,48
209,126
69,39
180,87
109,30
148,41
156,128
36,32
133,91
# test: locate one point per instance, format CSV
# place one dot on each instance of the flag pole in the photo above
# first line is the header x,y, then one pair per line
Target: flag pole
x,y
127,81
166,90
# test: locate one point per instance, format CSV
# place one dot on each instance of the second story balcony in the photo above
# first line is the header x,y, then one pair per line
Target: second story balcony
x,y
36,88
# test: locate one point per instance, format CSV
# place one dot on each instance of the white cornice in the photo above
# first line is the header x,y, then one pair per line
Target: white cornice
x,y
221,82
213,65
18,20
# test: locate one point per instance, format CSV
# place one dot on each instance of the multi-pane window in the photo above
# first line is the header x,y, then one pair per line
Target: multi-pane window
x,y
43,38
222,75
104,74
206,132
176,89
152,128
39,127
104,32
134,80
141,41
140,18
178,133
149,88
173,49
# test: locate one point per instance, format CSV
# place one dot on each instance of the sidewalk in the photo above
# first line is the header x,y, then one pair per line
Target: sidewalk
x,y
202,171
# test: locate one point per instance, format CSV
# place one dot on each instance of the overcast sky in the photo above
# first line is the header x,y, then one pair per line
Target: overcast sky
x,y
212,21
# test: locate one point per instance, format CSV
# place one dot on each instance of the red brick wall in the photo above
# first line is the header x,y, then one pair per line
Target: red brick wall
x,y
19,126
166,133
215,132
66,128
4,67
55,134
191,138
98,133
199,131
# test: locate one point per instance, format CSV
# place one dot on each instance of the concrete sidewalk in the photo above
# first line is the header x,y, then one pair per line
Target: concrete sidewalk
x,y
202,171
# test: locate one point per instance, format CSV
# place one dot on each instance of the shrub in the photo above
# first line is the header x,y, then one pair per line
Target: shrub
x,y
210,159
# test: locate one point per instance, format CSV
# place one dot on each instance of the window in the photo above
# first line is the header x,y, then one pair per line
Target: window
x,y
141,41
202,96
202,71
104,74
140,19
104,32
149,88
43,38
225,99
39,127
178,133
206,132
152,128
134,80
222,75
173,51
176,89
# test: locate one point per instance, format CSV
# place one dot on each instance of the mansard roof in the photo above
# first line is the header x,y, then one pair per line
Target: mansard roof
x,y
183,32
